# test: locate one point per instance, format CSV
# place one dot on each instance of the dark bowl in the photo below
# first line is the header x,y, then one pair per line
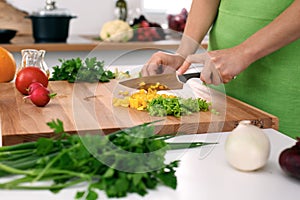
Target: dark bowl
x,y
6,35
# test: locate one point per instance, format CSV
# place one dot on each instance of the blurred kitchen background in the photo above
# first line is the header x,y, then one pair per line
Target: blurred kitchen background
x,y
92,14
84,30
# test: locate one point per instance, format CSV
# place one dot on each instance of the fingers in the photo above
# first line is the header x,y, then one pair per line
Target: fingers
x,y
209,73
184,67
162,62
215,70
195,58
216,78
206,75
150,69
153,66
167,69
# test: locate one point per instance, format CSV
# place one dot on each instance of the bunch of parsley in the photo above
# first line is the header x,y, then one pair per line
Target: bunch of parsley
x,y
89,70
68,160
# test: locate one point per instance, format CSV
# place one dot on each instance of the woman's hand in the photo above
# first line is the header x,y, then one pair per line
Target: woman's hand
x,y
220,66
161,62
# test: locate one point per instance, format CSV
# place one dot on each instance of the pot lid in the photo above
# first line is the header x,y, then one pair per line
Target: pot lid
x,y
50,9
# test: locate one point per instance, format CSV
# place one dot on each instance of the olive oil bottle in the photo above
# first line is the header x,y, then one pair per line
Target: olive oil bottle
x,y
121,9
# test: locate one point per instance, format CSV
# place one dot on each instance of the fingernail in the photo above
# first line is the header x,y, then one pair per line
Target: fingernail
x,y
179,72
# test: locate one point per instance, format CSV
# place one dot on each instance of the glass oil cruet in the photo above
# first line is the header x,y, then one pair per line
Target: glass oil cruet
x,y
121,10
35,58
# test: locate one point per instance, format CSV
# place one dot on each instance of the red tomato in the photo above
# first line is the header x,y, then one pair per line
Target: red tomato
x,y
29,75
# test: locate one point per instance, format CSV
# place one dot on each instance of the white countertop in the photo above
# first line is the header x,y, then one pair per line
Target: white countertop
x,y
204,174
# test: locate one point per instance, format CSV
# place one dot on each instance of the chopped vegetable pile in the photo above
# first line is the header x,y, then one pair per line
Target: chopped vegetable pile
x,y
141,99
161,104
89,70
157,86
68,160
138,100
177,106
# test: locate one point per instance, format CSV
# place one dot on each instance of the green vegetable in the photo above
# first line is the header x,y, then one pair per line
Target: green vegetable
x,y
128,161
177,107
89,70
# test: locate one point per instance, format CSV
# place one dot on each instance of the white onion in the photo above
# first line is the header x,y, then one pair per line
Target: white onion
x,y
247,147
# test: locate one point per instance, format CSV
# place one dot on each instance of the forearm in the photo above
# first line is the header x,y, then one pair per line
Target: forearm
x,y
280,32
201,16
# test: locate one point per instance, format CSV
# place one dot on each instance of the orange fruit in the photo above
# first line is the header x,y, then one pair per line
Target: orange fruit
x,y
7,66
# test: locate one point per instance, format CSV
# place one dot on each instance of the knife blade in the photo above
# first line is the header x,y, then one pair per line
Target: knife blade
x,y
171,81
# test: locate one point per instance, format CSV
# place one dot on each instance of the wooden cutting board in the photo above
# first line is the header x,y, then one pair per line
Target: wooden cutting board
x,y
86,107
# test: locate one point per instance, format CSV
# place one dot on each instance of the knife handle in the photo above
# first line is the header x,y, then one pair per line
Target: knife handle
x,y
184,77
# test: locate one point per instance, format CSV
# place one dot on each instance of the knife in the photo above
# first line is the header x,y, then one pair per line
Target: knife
x,y
171,81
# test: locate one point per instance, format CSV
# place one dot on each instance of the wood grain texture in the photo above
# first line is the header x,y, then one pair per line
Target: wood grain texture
x,y
86,107
88,43
12,18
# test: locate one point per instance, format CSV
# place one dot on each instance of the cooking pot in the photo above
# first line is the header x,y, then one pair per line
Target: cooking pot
x,y
50,24
50,28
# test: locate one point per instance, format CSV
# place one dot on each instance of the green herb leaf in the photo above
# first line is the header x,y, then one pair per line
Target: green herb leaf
x,y
57,126
88,70
109,173
92,195
79,195
168,178
44,146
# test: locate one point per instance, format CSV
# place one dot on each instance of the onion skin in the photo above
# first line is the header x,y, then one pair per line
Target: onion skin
x,y
247,148
289,160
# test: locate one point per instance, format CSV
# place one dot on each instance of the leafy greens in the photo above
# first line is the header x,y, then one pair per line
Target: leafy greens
x,y
67,160
177,106
75,69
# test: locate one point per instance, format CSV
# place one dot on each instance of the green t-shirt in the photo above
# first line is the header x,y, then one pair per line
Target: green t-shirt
x,y
272,83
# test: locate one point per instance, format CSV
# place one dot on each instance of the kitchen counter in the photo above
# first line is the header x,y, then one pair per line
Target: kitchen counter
x,y
204,174
87,43
83,46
